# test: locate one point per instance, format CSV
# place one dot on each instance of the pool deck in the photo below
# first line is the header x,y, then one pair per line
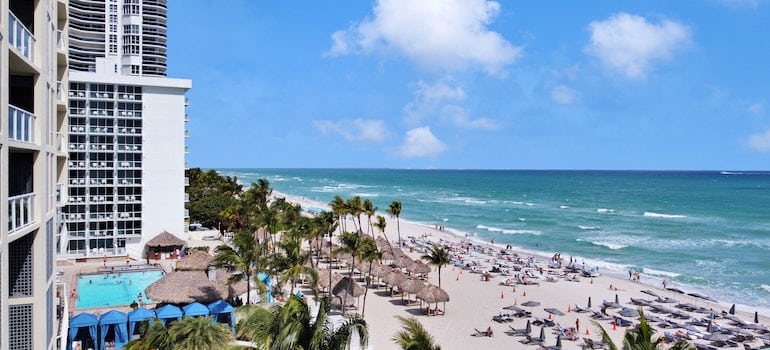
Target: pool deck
x,y
71,270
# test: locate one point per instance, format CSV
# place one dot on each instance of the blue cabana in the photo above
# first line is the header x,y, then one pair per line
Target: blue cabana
x,y
82,320
168,312
138,315
195,309
117,319
223,312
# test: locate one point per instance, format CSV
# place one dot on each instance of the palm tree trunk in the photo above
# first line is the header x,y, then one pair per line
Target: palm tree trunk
x,y
366,291
398,226
248,288
439,276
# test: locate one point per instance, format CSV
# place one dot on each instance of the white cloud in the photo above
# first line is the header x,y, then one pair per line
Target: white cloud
x,y
429,99
757,108
368,130
760,142
631,44
458,116
420,142
564,95
436,34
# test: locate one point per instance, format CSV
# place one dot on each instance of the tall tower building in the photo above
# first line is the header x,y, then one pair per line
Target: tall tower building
x,y
126,130
33,151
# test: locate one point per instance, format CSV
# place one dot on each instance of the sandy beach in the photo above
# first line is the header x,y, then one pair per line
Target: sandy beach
x,y
474,301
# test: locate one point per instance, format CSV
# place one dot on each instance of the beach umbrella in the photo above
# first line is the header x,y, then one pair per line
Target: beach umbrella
x,y
410,286
403,261
513,308
528,327
553,311
542,334
732,310
348,286
617,300
394,277
627,312
432,294
589,302
530,303
418,268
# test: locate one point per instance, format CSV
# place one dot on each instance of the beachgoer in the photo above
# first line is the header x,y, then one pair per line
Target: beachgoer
x,y
664,284
489,331
577,325
630,273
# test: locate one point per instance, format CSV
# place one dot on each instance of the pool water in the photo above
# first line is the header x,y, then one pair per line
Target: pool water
x,y
114,289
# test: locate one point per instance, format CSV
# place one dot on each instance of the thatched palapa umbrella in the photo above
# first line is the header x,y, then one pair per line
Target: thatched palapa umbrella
x,y
410,286
193,281
403,261
347,287
418,268
433,294
394,278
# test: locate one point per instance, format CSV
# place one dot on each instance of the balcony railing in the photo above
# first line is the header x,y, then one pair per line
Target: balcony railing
x,y
61,142
60,41
20,37
20,211
187,213
21,124
60,93
186,181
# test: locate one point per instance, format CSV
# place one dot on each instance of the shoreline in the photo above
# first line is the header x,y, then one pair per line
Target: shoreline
x,y
605,268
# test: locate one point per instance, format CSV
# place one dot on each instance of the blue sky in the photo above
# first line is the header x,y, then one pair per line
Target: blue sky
x,y
475,84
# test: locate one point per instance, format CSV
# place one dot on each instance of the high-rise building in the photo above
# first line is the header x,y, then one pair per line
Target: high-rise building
x,y
33,58
126,143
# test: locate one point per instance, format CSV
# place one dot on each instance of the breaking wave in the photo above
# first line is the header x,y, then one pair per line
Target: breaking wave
x,y
650,214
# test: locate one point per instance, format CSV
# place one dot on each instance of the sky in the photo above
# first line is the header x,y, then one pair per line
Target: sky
x,y
475,84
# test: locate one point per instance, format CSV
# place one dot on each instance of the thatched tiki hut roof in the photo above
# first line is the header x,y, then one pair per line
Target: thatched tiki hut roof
x,y
418,268
410,285
193,281
346,288
164,246
165,240
195,261
433,294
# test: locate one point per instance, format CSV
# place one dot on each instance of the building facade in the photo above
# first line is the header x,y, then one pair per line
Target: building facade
x,y
126,129
33,57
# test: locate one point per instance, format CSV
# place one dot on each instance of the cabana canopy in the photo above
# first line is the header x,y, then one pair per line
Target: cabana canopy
x,y
195,309
138,315
165,240
220,310
119,320
167,312
82,320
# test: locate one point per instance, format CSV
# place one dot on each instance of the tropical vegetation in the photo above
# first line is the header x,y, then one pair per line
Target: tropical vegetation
x,y
191,333
414,336
641,337
437,256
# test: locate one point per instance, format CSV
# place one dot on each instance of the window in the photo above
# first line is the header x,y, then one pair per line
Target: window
x,y
114,50
113,18
131,29
114,8
113,28
135,69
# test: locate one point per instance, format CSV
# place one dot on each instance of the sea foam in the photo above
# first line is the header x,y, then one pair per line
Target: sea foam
x,y
507,231
613,246
587,227
605,211
650,214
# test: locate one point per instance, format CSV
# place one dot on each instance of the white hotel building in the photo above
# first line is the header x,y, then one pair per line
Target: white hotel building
x,y
126,128
33,158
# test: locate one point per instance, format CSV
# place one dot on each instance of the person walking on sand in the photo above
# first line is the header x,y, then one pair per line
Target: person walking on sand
x,y
577,325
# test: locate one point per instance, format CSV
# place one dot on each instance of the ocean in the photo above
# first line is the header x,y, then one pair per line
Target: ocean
x,y
706,232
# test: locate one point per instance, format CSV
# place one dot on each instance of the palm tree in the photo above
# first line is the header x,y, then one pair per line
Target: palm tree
x,y
369,210
291,326
339,208
244,255
154,335
368,252
640,338
395,210
380,225
199,333
414,336
296,263
437,256
355,208
351,244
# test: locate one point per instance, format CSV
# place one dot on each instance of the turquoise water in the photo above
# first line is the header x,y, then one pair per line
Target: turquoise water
x,y
114,289
702,231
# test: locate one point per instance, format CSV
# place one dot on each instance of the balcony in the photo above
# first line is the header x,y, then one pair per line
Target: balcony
x,y
20,37
61,95
60,45
186,181
186,117
187,133
20,211
186,197
187,213
21,124
61,143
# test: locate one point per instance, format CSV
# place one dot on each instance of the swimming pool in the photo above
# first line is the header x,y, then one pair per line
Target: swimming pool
x,y
114,289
